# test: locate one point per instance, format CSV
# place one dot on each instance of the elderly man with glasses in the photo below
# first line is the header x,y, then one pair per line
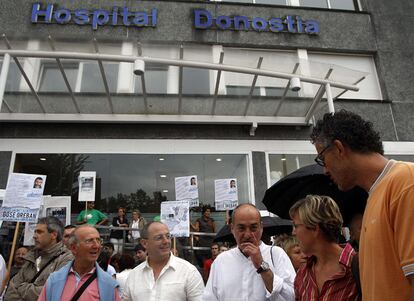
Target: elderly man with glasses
x,y
162,276
82,279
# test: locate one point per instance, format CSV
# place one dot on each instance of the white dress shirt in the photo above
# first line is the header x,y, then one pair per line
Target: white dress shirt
x,y
179,280
135,234
234,277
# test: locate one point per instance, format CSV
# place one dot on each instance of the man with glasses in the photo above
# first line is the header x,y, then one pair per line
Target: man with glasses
x,y
162,276
48,255
352,154
82,279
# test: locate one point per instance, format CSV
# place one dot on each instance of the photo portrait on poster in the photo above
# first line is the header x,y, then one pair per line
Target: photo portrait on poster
x,y
87,181
176,216
226,196
186,189
23,197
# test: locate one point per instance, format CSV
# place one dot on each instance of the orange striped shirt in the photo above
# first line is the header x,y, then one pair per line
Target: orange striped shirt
x,y
340,286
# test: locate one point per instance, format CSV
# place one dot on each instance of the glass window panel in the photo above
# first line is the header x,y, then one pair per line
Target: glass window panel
x,y
314,3
13,77
274,2
196,81
52,79
348,69
92,78
284,164
156,79
278,91
242,90
343,4
135,180
240,1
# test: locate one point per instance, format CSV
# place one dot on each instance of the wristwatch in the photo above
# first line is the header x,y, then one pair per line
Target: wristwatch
x,y
264,267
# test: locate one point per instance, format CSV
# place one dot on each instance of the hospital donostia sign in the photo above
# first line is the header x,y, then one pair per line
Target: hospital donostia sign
x,y
203,19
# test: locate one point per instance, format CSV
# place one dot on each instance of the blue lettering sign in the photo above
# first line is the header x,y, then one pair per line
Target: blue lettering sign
x,y
95,18
203,19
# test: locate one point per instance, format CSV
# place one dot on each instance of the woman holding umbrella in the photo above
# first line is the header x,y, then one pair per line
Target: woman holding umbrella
x,y
327,274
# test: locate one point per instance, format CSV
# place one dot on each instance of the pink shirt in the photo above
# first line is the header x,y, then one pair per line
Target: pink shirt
x,y
73,283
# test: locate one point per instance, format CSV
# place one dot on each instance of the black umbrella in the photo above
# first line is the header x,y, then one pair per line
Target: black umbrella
x,y
272,225
311,180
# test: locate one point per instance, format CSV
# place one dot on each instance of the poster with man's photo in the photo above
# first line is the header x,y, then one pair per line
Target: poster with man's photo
x,y
186,189
87,182
23,197
226,196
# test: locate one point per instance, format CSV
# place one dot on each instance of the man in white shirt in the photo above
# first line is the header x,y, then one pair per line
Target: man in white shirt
x,y
253,270
162,276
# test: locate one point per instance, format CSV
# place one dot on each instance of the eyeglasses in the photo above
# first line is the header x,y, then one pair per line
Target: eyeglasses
x,y
90,241
320,159
161,237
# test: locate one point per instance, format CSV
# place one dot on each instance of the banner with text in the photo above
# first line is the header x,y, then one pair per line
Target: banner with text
x,y
23,197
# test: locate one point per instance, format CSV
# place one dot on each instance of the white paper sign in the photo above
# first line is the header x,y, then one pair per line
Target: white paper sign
x,y
23,197
28,234
87,182
57,206
226,197
186,189
176,216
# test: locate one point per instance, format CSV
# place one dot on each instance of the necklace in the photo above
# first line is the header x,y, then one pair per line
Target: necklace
x,y
387,167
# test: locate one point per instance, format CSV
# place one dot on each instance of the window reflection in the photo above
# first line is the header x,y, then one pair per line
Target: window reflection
x,y
134,180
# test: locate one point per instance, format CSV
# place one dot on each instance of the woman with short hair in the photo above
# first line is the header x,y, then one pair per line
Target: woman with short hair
x,y
327,274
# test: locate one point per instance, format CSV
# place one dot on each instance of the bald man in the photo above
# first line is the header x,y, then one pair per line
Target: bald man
x,y
253,271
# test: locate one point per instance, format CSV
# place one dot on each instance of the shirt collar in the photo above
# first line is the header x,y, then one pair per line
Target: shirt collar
x,y
172,262
345,258
72,270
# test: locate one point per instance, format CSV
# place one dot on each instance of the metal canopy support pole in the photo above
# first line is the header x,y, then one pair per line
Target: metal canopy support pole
x,y
3,77
24,75
315,102
144,88
213,110
259,64
180,82
318,97
344,91
65,79
331,108
101,68
279,105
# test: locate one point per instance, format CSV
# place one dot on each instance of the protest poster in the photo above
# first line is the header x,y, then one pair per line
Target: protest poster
x,y
87,186
175,215
186,189
57,206
28,234
226,196
23,197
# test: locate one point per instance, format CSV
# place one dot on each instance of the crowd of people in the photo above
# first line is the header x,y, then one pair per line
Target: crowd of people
x,y
377,263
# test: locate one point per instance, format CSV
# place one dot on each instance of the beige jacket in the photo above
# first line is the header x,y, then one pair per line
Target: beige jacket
x,y
20,288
